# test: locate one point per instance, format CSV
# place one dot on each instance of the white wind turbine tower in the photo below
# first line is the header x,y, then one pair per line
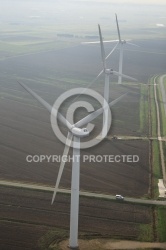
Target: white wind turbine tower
x,y
74,133
121,44
107,73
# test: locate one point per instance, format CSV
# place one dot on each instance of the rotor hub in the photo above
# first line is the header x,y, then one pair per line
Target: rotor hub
x,y
123,41
80,132
108,71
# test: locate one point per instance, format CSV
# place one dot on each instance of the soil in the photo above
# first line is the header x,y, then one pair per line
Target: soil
x,y
104,244
27,215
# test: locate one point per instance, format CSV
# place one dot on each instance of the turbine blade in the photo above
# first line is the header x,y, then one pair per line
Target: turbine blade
x,y
101,72
117,99
47,106
61,168
102,48
111,41
97,42
112,50
96,113
117,24
120,63
133,44
125,76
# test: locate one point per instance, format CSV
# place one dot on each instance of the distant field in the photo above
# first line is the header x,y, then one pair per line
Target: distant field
x,y
50,33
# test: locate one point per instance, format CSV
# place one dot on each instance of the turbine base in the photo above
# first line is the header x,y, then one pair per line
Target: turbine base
x,y
73,248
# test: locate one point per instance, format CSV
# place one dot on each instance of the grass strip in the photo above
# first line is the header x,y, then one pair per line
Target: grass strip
x,y
161,224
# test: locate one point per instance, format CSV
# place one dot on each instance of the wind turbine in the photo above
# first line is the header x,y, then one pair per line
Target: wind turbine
x,y
107,73
74,133
121,44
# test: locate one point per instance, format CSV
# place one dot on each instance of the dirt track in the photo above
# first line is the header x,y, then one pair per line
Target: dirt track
x,y
103,244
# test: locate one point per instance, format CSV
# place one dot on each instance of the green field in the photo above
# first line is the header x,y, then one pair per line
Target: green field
x,y
144,109
153,110
162,112
161,224
156,168
160,212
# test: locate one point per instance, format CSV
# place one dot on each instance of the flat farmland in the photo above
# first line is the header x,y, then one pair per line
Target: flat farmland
x,y
83,63
26,216
25,129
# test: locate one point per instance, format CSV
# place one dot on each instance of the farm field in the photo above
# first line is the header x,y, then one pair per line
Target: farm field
x,y
26,216
25,129
41,46
23,120
81,63
41,140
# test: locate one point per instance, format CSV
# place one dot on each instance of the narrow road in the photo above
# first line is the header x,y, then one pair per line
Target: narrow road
x,y
127,138
82,193
159,130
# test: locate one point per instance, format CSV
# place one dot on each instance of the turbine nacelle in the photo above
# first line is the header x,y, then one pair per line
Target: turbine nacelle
x,y
123,42
80,132
109,71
